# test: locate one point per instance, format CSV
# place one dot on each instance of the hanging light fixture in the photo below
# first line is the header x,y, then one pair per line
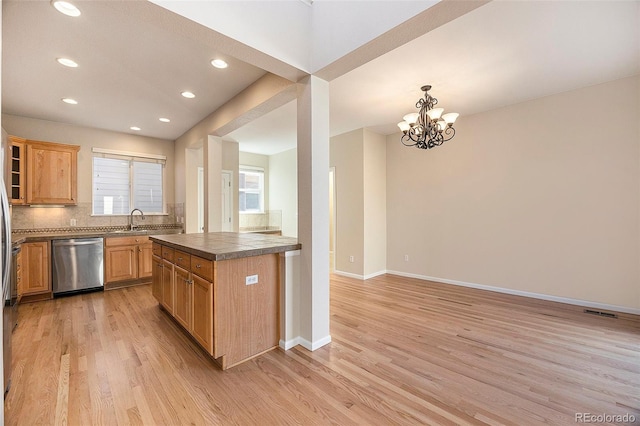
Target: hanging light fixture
x,y
428,127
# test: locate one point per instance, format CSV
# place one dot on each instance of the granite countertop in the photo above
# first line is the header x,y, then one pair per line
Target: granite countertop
x,y
19,238
228,245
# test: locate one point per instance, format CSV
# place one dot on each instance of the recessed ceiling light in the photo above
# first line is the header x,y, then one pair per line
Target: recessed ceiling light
x,y
136,128
67,62
188,95
70,101
219,63
164,120
66,8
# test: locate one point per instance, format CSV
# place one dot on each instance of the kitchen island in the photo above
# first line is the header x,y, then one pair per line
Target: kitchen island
x,y
223,289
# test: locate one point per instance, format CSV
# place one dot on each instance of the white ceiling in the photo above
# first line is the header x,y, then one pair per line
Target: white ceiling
x,y
306,34
132,70
502,53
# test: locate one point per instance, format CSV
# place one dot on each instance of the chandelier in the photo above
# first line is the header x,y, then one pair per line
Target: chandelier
x,y
428,127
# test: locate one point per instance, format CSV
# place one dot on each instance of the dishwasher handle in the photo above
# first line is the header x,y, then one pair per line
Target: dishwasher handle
x,y
76,243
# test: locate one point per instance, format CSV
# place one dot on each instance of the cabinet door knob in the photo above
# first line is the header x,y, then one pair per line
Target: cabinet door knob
x,y
198,266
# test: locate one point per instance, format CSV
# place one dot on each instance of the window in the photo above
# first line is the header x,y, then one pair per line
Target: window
x,y
251,198
123,182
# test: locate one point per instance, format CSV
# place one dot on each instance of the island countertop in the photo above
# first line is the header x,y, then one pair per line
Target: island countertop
x,y
227,245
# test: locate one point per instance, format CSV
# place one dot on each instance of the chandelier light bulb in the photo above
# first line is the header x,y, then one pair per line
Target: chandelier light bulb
x,y
450,117
404,126
435,113
411,118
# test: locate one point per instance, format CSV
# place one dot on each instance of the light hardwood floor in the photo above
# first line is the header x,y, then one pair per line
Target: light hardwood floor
x,y
404,351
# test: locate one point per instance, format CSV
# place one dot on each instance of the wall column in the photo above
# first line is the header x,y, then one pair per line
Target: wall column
x,y
212,184
313,211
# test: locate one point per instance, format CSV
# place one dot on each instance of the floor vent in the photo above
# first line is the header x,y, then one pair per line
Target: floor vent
x,y
602,314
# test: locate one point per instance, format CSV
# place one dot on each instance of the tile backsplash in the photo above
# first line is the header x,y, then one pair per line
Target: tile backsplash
x,y
24,217
270,219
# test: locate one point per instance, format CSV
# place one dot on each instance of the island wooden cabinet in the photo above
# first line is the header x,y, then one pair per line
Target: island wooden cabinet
x,y
127,259
167,286
229,307
156,277
35,268
202,323
182,296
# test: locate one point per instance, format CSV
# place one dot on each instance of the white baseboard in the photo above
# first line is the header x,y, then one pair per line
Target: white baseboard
x,y
286,345
359,277
578,302
315,345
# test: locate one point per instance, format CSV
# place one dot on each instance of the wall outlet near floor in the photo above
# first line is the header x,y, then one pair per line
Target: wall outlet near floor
x,y
251,279
73,222
351,259
406,257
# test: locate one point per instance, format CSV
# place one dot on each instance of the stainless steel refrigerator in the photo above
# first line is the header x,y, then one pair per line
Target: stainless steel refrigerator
x,y
9,292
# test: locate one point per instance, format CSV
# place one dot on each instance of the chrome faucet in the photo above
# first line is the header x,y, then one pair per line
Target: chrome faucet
x,y
132,226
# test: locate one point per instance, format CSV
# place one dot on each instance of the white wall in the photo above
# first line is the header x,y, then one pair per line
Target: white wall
x,y
346,155
283,194
540,197
375,203
359,158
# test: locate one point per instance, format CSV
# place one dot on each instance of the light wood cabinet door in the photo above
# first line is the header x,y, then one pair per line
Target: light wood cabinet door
x,y
167,286
51,173
182,298
19,282
121,263
145,264
17,165
156,278
35,268
202,327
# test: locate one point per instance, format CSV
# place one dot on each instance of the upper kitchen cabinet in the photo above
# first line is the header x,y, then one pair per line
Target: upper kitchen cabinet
x,y
52,173
17,170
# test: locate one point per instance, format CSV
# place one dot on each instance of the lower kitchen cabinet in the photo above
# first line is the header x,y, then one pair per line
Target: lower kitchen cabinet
x,y
167,286
202,323
230,307
187,292
121,263
127,260
156,280
182,297
145,261
35,269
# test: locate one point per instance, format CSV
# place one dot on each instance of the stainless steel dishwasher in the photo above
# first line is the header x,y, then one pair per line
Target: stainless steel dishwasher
x,y
78,265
